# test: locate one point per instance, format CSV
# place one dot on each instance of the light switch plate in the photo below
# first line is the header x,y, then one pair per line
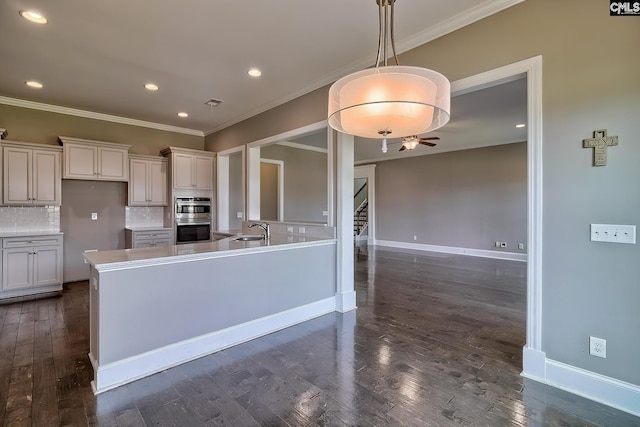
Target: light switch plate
x,y
613,233
94,216
239,214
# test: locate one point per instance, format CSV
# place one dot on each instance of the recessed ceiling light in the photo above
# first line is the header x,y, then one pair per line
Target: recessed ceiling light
x,y
254,72
183,114
151,86
520,125
34,84
33,16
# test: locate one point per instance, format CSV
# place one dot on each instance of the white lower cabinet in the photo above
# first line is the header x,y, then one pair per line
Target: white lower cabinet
x,y
147,238
31,265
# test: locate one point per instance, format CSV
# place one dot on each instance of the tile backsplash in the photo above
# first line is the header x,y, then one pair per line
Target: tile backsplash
x,y
144,216
41,218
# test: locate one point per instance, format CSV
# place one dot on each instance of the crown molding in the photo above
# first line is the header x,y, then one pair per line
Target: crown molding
x,y
96,116
461,20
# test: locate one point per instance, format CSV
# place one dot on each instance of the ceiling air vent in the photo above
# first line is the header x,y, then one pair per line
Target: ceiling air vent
x,y
213,102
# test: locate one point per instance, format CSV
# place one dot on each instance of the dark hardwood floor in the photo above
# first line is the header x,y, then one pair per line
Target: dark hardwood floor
x,y
436,341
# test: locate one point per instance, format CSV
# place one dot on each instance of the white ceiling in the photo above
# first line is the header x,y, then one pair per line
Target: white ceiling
x,y
97,55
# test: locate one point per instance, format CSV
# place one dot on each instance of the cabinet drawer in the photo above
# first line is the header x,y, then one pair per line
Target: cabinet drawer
x,y
17,242
152,234
149,243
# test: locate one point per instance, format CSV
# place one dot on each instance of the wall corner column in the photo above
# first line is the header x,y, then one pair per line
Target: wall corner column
x,y
345,293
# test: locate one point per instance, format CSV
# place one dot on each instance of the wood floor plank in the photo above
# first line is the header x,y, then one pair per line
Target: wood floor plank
x,y
436,341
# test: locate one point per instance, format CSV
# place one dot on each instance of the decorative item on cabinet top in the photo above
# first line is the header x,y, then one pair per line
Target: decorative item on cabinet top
x,y
31,174
94,160
3,133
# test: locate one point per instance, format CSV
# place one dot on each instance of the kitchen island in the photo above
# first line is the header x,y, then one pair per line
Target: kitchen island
x,y
154,308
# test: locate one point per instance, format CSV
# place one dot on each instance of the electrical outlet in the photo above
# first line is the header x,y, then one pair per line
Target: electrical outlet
x,y
613,233
289,229
497,244
521,246
415,237
94,216
302,230
239,214
598,347
325,213
503,244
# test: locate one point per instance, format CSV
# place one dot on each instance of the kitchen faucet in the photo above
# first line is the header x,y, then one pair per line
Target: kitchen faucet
x,y
265,226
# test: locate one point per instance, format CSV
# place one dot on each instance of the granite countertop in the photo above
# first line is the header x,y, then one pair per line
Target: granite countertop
x,y
29,233
139,257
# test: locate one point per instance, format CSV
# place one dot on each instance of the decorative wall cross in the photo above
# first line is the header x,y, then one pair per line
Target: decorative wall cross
x,y
599,143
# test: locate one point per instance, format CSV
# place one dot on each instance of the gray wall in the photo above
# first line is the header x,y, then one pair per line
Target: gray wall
x,y
305,182
269,191
79,200
466,199
590,81
235,191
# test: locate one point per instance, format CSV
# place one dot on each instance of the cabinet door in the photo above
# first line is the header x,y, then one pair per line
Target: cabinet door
x,y
47,263
46,178
138,182
203,175
80,161
113,164
183,171
17,268
157,183
17,175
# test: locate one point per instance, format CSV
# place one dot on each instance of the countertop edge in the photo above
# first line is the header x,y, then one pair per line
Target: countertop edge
x,y
122,265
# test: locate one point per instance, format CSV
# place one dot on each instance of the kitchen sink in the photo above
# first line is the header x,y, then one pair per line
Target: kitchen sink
x,y
249,238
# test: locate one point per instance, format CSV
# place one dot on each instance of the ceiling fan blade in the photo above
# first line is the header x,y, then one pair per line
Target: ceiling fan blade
x,y
431,138
402,148
430,144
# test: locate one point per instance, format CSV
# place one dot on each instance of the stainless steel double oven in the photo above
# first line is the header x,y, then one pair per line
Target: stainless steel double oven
x,y
193,219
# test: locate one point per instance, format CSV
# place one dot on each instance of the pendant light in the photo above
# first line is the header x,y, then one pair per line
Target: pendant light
x,y
389,100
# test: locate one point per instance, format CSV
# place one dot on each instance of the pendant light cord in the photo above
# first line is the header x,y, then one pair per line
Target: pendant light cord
x,y
385,32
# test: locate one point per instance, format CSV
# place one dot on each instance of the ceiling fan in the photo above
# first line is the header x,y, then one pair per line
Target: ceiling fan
x,y
411,142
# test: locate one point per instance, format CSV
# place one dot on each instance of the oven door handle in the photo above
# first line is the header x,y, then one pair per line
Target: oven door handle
x,y
193,223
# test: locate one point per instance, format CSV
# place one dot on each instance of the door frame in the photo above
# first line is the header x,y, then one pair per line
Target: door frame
x,y
369,172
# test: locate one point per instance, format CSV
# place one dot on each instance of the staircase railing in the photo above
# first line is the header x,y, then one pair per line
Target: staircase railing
x,y
360,218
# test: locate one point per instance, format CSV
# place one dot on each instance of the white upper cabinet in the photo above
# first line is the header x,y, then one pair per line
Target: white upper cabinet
x,y
190,169
31,174
147,181
94,160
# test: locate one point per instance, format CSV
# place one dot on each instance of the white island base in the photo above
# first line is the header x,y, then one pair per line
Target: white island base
x,y
149,314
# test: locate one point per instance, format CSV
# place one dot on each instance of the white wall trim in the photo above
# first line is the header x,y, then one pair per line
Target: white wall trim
x,y
302,146
124,371
606,390
97,116
453,250
599,388
534,364
532,69
346,301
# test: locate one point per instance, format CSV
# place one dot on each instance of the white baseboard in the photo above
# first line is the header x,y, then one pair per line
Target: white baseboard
x,y
346,302
599,388
484,253
534,364
112,375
